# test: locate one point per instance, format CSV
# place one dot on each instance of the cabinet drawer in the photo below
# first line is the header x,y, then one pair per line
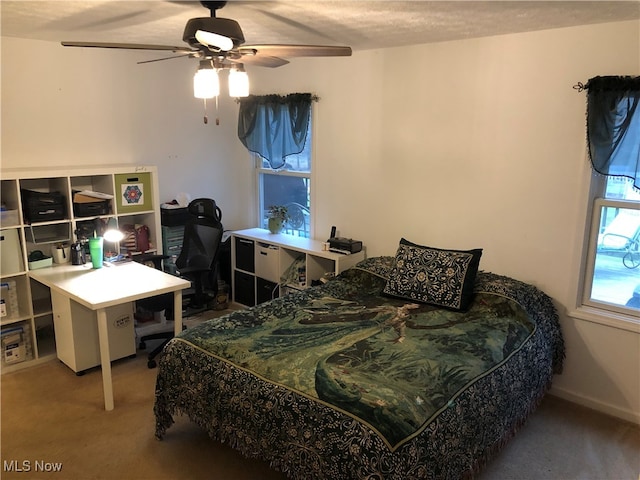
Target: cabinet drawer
x,y
172,249
172,234
172,242
244,289
267,261
245,254
265,290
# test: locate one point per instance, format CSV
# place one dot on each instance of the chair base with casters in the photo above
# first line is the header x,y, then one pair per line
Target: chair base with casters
x,y
164,303
158,303
155,304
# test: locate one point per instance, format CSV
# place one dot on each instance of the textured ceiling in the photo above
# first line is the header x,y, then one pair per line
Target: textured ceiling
x,y
359,24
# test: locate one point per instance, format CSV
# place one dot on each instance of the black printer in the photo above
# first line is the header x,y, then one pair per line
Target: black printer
x,y
344,245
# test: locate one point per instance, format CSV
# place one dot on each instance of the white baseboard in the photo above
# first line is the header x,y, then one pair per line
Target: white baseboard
x,y
622,413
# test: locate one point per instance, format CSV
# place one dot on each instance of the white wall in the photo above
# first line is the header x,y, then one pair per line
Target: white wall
x,y
74,106
476,143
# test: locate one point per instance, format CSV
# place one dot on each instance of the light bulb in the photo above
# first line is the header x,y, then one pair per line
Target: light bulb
x,y
206,83
238,83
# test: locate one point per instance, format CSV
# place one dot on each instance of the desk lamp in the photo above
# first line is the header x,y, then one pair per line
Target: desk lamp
x,y
115,236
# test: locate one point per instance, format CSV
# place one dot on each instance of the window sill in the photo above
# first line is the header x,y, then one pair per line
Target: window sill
x,y
605,317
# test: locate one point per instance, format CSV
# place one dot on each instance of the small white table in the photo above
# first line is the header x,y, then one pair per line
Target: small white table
x,y
105,287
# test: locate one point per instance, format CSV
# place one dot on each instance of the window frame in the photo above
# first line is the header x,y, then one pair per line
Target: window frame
x,y
259,170
587,308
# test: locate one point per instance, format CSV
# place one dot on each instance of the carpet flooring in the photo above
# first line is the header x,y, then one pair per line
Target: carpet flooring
x,y
53,420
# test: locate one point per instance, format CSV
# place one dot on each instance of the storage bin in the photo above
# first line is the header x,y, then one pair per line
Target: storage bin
x,y
267,258
52,233
10,252
133,192
39,260
9,218
93,208
173,217
265,290
244,289
245,254
42,206
16,344
9,300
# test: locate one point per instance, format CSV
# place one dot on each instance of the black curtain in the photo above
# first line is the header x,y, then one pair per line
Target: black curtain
x,y
613,126
274,126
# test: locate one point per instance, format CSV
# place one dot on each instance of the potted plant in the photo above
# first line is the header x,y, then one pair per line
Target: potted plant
x,y
278,215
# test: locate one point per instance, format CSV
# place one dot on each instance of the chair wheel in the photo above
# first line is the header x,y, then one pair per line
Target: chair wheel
x,y
151,364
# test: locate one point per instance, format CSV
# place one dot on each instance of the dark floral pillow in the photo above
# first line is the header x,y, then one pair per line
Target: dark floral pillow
x,y
380,266
435,276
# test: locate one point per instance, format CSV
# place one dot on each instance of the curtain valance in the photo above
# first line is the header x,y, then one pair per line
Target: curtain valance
x,y
613,126
274,126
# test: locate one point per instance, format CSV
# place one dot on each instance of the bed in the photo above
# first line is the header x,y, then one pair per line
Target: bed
x,y
349,381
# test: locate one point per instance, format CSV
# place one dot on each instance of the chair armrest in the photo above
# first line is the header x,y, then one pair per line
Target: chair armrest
x,y
150,257
196,269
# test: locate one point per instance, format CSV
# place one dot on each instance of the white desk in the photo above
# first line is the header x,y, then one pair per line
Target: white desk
x,y
105,287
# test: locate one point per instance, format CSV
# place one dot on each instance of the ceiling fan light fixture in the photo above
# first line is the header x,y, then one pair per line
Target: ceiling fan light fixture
x,y
238,82
213,39
205,82
221,27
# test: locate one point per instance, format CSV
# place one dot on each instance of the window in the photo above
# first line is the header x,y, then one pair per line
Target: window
x,y
612,280
289,185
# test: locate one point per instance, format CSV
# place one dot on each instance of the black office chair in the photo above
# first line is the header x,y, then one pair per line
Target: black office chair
x,y
197,262
198,259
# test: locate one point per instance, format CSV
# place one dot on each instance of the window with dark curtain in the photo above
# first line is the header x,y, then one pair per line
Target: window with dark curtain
x,y
613,126
274,126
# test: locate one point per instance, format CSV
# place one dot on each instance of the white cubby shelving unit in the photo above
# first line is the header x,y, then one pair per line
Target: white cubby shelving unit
x,y
27,320
262,260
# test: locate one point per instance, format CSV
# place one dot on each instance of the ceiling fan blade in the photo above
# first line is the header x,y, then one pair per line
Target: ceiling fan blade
x,y
128,46
299,50
260,60
182,55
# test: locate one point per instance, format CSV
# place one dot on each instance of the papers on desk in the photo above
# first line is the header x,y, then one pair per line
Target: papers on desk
x,y
89,196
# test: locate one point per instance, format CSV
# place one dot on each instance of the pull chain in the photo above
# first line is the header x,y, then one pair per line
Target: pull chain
x,y
206,119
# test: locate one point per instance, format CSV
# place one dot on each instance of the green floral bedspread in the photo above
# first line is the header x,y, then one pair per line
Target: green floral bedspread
x,y
388,362
345,351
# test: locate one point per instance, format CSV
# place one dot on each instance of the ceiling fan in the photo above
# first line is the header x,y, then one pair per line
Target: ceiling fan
x,y
221,41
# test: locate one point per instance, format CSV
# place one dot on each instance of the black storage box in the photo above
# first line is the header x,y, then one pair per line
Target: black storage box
x,y
174,217
266,290
245,255
91,209
244,289
42,206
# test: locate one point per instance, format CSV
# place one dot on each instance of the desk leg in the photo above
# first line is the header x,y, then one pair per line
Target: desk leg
x,y
105,360
177,312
